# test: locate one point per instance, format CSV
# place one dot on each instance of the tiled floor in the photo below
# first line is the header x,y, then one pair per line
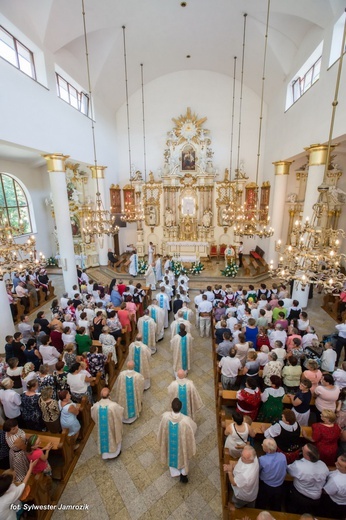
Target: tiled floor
x,y
136,485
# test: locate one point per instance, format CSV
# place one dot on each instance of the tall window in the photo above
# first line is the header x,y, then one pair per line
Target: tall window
x,y
14,203
13,51
306,76
73,96
338,33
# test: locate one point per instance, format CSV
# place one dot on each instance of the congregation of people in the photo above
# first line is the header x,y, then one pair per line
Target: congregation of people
x,y
284,377
268,351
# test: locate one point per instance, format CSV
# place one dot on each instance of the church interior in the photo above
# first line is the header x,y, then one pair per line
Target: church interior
x,y
204,130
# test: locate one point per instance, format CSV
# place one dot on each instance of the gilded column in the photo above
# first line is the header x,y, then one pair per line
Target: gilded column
x,y
57,177
6,321
98,176
317,161
282,170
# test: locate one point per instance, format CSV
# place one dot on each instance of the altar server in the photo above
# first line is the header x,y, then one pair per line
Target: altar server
x,y
150,278
133,267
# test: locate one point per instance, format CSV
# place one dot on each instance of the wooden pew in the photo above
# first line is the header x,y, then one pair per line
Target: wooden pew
x,y
62,453
125,266
246,267
229,398
255,265
20,310
253,513
97,386
111,368
84,417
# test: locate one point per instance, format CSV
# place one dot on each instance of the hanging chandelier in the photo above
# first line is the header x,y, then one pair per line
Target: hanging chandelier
x,y
97,221
16,256
314,257
133,210
252,218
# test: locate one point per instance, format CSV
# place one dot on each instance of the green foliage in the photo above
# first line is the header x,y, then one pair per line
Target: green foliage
x,y
231,270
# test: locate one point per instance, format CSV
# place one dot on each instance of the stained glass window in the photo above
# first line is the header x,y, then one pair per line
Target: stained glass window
x,y
15,203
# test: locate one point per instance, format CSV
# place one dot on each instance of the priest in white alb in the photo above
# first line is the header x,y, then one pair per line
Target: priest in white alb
x,y
177,322
140,354
188,314
181,345
147,329
158,316
108,416
176,438
150,278
163,303
129,388
185,390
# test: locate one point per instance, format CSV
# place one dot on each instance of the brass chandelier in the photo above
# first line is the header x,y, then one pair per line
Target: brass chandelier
x,y
252,220
16,256
314,255
97,221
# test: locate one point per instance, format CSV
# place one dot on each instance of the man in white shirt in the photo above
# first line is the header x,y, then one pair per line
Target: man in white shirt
x,y
209,293
309,476
204,316
277,335
341,342
308,337
328,358
244,478
231,321
334,499
339,376
25,328
230,365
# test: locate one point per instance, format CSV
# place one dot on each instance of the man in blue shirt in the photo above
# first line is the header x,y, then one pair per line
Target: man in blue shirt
x,y
273,468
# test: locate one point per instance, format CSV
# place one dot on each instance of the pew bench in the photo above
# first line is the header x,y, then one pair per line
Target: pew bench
x,y
62,453
246,266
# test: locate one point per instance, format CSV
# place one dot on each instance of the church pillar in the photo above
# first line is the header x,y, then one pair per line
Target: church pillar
x,y
98,176
56,169
6,321
317,161
282,170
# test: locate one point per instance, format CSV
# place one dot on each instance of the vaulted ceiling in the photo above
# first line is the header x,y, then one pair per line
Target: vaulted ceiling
x,y
161,33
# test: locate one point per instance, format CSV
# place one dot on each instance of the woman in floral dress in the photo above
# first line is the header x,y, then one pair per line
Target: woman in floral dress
x,y
15,438
31,412
50,410
96,362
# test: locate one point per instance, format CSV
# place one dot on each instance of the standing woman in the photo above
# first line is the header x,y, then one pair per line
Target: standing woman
x,y
124,317
31,412
98,323
84,341
50,410
325,435
272,406
69,412
15,438
249,399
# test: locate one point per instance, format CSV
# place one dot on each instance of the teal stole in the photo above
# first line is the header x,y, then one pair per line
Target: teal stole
x,y
136,262
186,315
182,394
183,343
130,397
103,429
173,444
145,332
137,359
153,314
161,301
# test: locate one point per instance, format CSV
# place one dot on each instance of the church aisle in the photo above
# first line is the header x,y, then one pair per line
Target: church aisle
x,y
136,485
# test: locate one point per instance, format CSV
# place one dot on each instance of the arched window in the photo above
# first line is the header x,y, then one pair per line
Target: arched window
x,y
15,204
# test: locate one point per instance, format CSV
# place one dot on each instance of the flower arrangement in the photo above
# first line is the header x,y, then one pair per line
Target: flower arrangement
x,y
178,268
231,270
51,262
196,268
142,266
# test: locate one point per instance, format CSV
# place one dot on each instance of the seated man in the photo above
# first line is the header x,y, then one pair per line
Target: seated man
x,y
111,257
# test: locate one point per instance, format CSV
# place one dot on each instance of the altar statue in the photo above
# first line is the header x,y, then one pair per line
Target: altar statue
x,y
206,219
229,255
169,219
